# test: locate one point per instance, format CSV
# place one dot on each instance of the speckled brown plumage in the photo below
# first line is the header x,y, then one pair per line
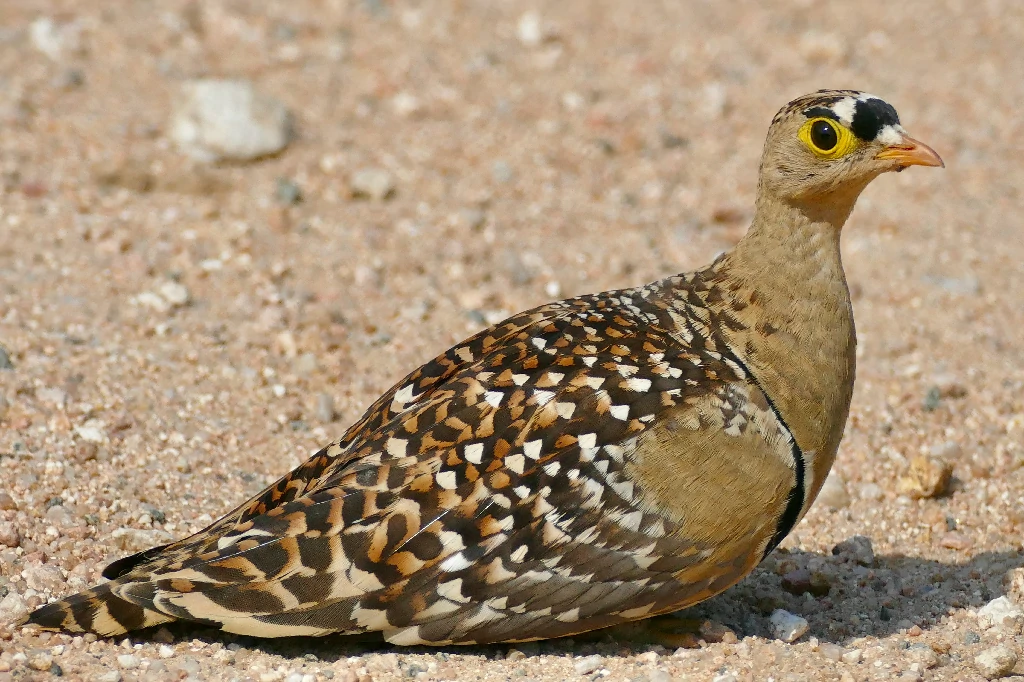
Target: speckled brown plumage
x,y
592,461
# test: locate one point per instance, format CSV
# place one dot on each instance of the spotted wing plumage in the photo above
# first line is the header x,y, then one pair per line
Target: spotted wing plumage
x,y
487,497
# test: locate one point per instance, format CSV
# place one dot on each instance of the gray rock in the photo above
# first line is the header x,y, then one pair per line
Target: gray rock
x,y
857,549
227,120
5,359
996,662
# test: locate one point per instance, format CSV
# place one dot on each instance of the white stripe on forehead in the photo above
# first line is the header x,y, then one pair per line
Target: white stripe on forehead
x,y
845,109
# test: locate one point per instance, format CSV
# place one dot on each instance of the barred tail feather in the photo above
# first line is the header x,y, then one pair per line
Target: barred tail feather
x,y
97,610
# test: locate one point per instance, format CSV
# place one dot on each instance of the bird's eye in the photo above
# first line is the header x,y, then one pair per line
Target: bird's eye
x,y
823,135
828,138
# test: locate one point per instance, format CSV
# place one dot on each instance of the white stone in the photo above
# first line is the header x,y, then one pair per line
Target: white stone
x,y
128,661
996,662
998,611
109,676
372,183
787,626
853,656
148,299
44,578
588,664
834,494
55,40
227,120
529,29
174,293
92,431
12,607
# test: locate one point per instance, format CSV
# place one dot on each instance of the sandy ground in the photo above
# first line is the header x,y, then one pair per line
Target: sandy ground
x,y
603,144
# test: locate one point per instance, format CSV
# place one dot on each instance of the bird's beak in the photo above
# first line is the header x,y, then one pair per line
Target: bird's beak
x,y
910,152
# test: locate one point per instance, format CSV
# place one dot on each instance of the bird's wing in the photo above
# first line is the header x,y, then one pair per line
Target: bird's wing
x,y
492,495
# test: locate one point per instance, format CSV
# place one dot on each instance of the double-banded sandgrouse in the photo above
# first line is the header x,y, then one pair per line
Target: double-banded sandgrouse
x,y
592,461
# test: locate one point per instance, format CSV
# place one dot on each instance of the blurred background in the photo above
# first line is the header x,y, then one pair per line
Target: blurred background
x,y
227,226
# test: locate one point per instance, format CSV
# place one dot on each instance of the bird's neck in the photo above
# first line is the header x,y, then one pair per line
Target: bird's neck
x,y
785,286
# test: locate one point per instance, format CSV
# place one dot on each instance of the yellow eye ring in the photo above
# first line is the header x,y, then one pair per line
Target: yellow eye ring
x,y
827,138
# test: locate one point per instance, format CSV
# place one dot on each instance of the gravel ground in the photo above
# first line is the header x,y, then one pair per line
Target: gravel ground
x,y
180,333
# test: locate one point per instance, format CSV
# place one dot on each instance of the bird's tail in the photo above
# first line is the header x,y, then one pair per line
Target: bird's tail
x,y
98,610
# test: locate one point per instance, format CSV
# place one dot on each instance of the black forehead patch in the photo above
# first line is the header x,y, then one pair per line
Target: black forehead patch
x,y
870,116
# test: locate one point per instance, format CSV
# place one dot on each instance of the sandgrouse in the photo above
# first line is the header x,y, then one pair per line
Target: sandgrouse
x,y
593,461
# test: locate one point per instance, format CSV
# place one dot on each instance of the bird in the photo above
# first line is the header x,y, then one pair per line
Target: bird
x,y
583,464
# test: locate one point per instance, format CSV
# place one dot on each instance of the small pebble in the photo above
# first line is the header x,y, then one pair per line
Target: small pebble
x,y
996,662
9,535
12,607
857,549
923,655
948,386
5,359
529,30
44,578
787,626
659,676
7,502
927,476
109,676
834,494
832,652
288,192
325,408
853,656
502,172
40,660
1013,581
372,183
174,293
955,540
871,491
588,664
227,120
999,612
802,580
128,661
725,677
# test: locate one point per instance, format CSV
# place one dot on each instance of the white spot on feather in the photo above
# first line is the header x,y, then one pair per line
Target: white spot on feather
x,y
638,385
494,398
532,448
447,480
456,562
474,452
516,463
619,411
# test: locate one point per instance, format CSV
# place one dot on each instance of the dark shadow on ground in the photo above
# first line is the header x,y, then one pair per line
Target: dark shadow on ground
x,y
890,594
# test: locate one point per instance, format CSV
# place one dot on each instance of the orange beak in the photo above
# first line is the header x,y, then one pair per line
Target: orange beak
x,y
910,152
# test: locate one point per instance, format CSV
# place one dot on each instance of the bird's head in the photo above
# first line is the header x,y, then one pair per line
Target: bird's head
x,y
827,146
